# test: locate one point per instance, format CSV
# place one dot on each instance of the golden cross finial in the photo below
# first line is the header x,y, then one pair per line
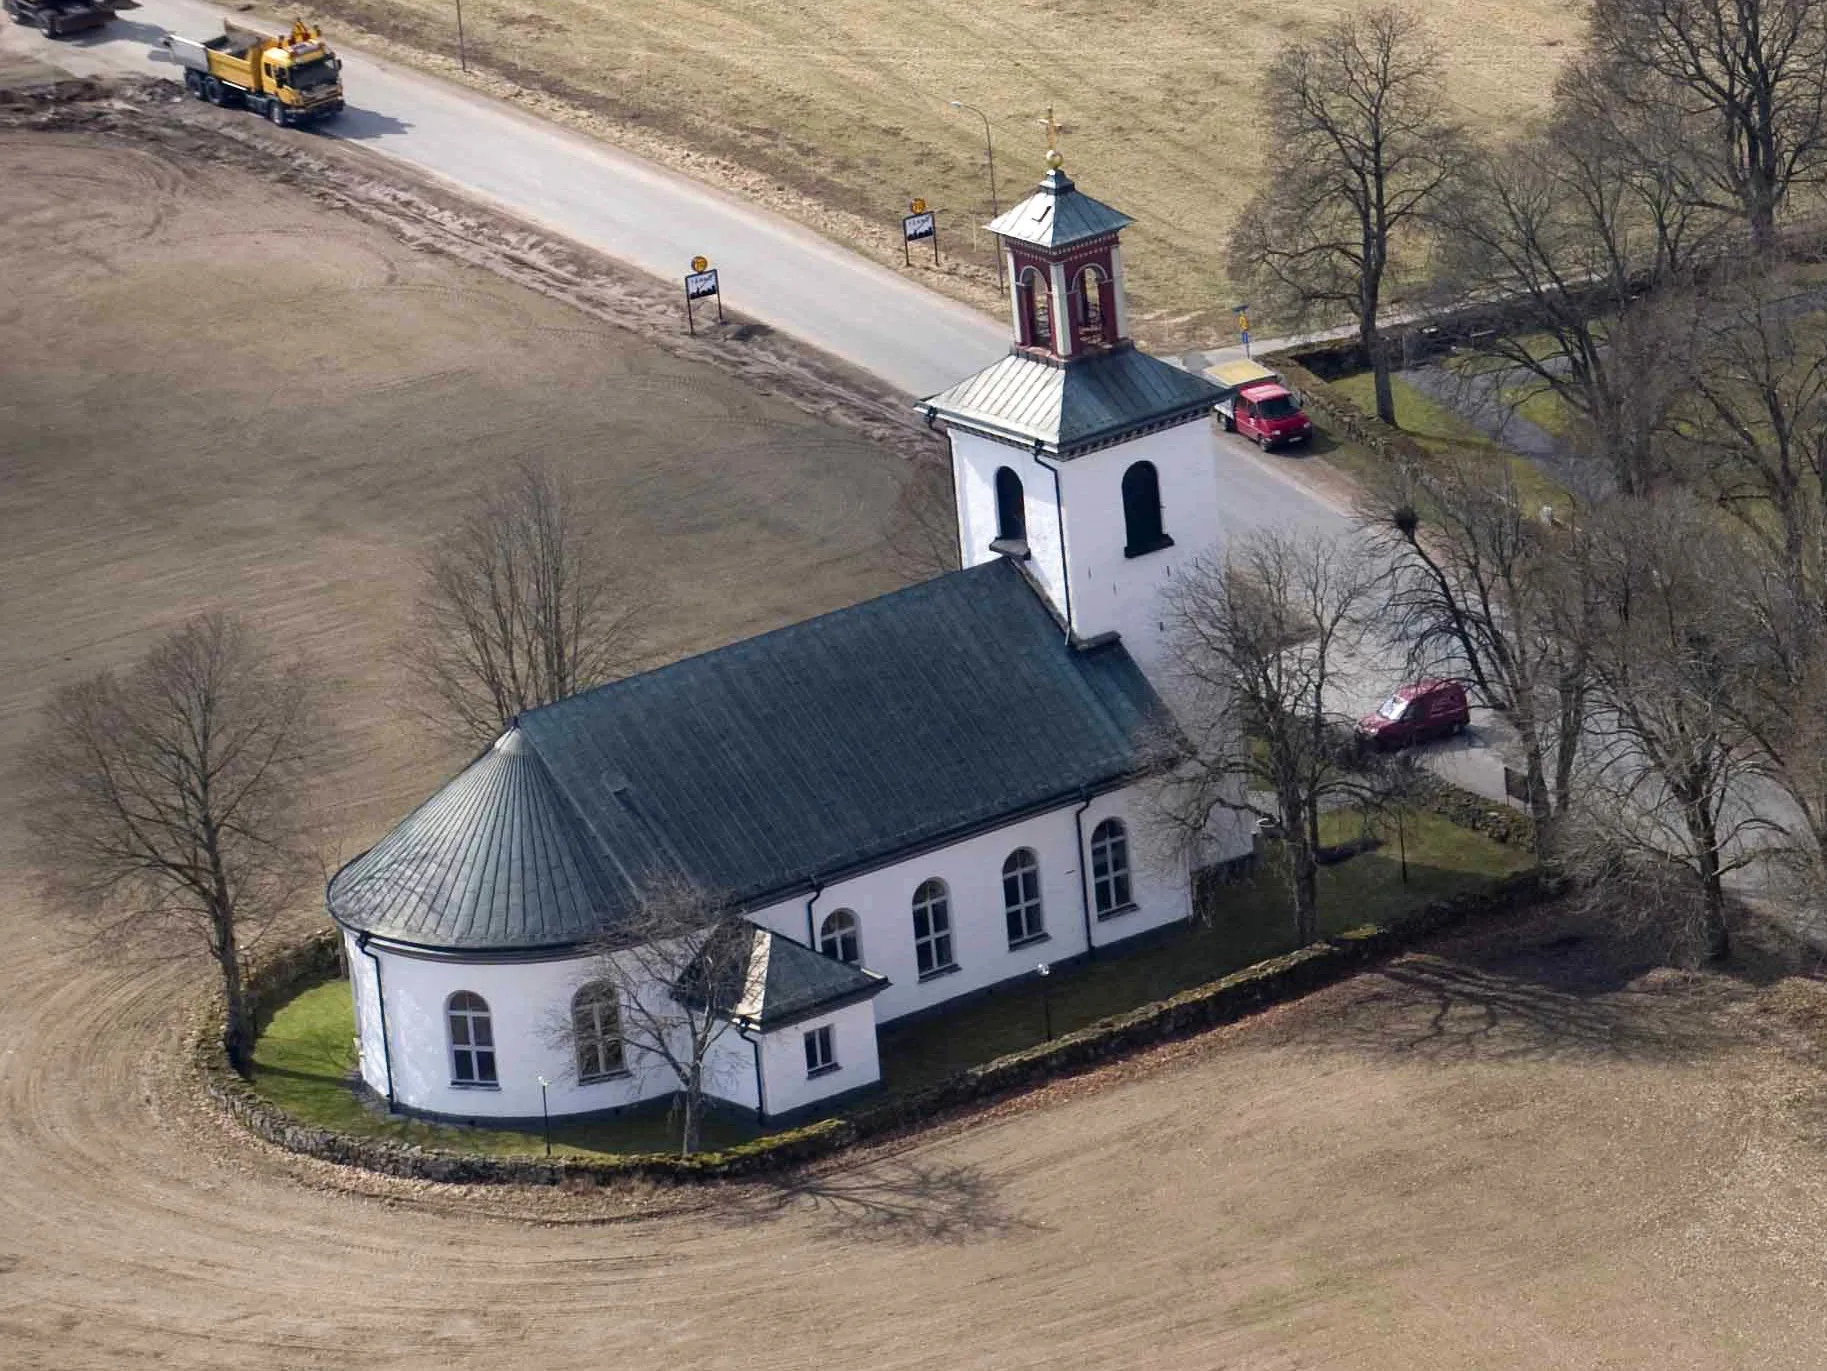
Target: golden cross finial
x,y
1054,159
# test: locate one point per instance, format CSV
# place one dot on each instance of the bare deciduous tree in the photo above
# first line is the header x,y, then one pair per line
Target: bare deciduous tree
x,y
524,604
1259,641
1664,788
676,970
165,800
1361,144
1482,590
1568,234
1745,81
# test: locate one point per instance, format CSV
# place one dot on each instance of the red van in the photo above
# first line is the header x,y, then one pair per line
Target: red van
x,y
1417,713
1268,415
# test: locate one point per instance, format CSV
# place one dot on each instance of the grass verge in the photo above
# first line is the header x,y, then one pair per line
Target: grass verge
x,y
305,1060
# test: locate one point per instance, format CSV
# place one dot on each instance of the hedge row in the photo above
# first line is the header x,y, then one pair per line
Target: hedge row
x,y
1192,1011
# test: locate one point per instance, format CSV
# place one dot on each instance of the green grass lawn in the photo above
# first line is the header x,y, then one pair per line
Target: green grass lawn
x,y
305,1063
305,1059
1437,428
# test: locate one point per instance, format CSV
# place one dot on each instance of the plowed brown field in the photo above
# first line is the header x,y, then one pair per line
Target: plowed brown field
x,y
1504,1154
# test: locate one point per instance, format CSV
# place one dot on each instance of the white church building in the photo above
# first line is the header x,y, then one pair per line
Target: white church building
x,y
911,800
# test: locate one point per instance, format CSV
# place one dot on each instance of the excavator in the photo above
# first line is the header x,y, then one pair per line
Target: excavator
x,y
292,79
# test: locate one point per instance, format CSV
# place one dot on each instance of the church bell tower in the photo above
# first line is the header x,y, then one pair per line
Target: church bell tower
x,y
1087,460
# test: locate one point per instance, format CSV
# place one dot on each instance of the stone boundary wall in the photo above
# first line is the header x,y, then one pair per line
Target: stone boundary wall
x,y
1340,414
1192,1011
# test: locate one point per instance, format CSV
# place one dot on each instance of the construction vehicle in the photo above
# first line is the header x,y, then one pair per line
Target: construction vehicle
x,y
291,79
55,18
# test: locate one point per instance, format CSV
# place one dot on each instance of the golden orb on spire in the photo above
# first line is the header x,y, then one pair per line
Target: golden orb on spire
x,y
1055,160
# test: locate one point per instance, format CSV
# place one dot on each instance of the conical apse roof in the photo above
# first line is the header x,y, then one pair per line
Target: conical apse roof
x,y
497,859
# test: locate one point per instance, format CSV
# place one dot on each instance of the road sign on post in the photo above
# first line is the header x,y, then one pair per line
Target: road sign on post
x,y
700,283
922,223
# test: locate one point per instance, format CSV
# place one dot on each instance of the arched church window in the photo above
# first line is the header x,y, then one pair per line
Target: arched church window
x,y
1038,298
472,1039
1021,897
1110,867
1011,507
596,1029
1142,511
839,939
932,921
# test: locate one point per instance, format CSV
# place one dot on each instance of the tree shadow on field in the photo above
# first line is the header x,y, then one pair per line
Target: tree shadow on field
x,y
914,1201
1575,994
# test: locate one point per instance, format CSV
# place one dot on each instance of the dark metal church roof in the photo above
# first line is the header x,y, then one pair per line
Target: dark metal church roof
x,y
496,858
772,980
1074,406
818,749
1057,215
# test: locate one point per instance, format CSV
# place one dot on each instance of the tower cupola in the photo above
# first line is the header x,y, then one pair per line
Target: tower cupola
x,y
1065,269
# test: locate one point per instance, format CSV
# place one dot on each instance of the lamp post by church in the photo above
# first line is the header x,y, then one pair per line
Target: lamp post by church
x,y
989,150
545,1114
1046,1001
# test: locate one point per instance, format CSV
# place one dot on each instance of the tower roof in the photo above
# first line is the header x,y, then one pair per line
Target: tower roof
x,y
1057,215
1066,408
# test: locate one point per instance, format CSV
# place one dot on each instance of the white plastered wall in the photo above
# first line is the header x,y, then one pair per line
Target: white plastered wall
x,y
1114,593
882,900
528,1004
783,1059
975,462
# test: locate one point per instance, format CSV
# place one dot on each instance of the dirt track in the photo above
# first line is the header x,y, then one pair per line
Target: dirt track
x,y
1489,1157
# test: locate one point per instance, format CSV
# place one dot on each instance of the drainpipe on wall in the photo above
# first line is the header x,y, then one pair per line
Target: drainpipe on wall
x,y
1084,876
761,1091
380,998
1059,514
818,888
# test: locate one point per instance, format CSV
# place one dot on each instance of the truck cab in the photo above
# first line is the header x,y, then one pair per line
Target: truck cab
x,y
1256,404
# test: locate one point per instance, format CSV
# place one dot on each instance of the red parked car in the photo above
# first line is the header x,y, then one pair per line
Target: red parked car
x,y
1417,713
1268,415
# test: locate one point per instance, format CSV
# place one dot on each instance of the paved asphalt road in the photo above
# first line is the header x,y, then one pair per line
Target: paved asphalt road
x,y
772,270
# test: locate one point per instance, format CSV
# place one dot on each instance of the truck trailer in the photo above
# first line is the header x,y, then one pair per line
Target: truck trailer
x,y
55,18
291,79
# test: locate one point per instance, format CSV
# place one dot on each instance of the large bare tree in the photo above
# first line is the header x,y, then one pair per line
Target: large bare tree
x,y
1361,144
524,603
1669,654
166,802
1260,643
1480,589
1743,81
663,987
1565,232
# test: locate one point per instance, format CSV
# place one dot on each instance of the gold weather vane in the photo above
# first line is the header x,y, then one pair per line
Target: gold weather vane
x,y
1054,159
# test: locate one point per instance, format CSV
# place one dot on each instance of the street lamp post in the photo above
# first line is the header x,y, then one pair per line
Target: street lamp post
x,y
545,1114
989,149
462,55
1046,1001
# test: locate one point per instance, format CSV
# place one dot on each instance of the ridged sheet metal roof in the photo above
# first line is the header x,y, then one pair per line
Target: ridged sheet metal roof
x,y
1074,406
827,746
1057,215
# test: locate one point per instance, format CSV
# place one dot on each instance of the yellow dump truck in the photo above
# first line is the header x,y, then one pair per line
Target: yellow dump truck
x,y
291,79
